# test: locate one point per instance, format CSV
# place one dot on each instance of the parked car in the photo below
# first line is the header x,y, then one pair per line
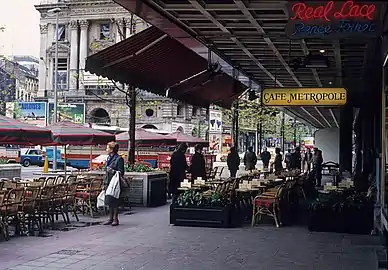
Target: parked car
x,y
30,156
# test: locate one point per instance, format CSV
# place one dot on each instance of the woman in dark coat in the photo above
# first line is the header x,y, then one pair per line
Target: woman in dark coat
x,y
178,167
114,163
197,167
233,161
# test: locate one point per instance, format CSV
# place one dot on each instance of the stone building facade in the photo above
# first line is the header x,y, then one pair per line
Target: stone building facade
x,y
86,27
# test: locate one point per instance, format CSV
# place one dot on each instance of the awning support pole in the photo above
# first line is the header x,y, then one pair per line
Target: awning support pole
x,y
235,131
132,125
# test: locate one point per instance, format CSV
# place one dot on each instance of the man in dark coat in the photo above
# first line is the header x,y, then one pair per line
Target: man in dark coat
x,y
197,167
296,159
265,158
233,161
250,159
178,167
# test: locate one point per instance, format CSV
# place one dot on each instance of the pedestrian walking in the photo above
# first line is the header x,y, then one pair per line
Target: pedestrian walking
x,y
250,159
233,162
287,159
178,168
277,164
317,162
309,159
114,163
265,158
296,159
197,167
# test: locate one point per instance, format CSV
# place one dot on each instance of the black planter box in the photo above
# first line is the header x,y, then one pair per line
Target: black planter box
x,y
221,217
354,221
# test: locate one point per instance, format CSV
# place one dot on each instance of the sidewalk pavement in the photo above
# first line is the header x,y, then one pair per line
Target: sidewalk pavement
x,y
146,241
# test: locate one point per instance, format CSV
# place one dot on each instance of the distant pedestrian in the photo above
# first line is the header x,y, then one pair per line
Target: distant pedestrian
x,y
178,168
197,167
265,158
296,159
278,166
250,159
308,159
233,162
317,162
287,159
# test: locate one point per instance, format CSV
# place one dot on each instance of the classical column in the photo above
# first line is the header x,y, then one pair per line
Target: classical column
x,y
120,33
73,56
83,52
43,60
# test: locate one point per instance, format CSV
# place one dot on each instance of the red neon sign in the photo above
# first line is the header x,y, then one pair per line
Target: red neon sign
x,y
327,12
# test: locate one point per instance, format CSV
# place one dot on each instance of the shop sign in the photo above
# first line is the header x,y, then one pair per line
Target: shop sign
x,y
304,97
332,19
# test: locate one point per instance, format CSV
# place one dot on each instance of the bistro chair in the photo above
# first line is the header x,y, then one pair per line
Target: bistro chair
x,y
3,224
86,196
269,204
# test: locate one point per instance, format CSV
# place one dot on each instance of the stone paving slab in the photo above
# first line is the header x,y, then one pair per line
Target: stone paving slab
x,y
145,241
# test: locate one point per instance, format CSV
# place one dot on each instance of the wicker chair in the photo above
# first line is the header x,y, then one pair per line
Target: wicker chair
x,y
268,204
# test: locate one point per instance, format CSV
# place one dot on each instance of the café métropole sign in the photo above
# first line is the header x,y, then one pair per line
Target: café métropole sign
x,y
304,97
332,19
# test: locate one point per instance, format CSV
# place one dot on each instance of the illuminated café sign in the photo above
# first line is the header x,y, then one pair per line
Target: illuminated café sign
x,y
332,19
304,97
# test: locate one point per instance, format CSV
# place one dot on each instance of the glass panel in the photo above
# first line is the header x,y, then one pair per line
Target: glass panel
x,y
104,31
61,33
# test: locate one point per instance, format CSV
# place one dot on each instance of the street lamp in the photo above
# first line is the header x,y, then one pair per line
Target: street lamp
x,y
56,12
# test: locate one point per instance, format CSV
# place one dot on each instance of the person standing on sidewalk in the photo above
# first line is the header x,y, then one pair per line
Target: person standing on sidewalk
x,y
278,166
265,158
178,168
309,159
233,161
114,163
197,167
317,162
250,159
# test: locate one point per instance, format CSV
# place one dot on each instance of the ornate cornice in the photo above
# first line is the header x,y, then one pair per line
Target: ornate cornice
x,y
98,10
43,28
73,24
84,23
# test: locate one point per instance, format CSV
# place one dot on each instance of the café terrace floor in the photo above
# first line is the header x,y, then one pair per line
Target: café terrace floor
x,y
146,241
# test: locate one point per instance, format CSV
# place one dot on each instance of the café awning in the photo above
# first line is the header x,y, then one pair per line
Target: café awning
x,y
153,61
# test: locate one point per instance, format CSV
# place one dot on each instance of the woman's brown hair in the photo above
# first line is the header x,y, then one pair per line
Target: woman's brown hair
x,y
114,146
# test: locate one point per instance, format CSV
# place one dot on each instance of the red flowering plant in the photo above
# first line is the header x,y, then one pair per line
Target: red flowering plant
x,y
138,167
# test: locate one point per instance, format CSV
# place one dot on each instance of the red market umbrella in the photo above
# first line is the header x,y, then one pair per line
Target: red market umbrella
x,y
190,140
146,138
16,132
66,132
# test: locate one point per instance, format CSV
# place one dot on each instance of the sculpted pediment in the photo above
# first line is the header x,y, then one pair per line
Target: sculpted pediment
x,y
98,45
61,48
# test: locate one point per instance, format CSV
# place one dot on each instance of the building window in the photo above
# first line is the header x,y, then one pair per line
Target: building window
x,y
179,110
61,32
195,111
104,31
62,74
149,112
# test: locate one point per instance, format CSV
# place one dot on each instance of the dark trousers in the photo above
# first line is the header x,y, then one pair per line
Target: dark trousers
x,y
318,175
233,173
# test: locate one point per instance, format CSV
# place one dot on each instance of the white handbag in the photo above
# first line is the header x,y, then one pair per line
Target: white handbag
x,y
114,186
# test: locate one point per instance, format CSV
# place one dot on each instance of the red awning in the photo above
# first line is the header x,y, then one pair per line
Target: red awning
x,y
19,133
146,138
153,61
69,133
190,140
